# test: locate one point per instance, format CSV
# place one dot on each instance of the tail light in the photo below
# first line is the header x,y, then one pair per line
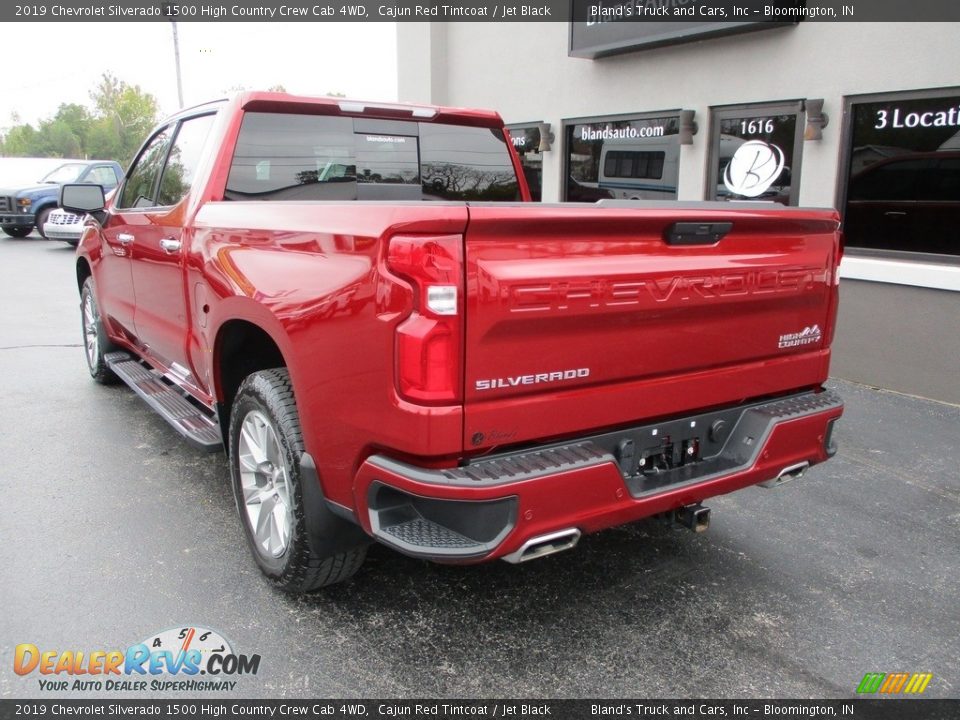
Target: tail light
x,y
834,290
430,341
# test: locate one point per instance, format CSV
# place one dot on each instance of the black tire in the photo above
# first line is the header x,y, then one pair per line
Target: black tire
x,y
96,344
267,397
41,219
17,231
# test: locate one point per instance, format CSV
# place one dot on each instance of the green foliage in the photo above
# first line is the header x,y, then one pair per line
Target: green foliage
x,y
19,140
113,129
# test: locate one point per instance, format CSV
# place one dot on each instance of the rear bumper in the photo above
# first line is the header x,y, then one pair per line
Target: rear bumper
x,y
492,506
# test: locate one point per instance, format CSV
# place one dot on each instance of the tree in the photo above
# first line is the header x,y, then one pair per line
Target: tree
x,y
121,117
58,139
19,141
125,114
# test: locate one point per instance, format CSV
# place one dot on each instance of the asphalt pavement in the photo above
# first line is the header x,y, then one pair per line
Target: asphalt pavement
x,y
113,529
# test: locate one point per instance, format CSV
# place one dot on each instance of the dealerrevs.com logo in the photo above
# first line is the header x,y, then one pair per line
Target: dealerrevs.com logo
x,y
186,659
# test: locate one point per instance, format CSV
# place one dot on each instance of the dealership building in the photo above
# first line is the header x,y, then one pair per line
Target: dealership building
x,y
864,117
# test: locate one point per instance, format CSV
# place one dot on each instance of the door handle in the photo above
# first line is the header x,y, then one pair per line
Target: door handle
x,y
170,245
895,213
125,238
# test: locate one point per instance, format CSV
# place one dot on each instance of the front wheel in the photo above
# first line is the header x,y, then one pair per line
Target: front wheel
x,y
265,448
95,341
17,231
41,221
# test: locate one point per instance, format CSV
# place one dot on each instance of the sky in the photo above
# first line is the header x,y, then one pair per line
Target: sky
x,y
60,62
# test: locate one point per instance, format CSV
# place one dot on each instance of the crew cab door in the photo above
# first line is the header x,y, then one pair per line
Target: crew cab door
x,y
159,248
129,217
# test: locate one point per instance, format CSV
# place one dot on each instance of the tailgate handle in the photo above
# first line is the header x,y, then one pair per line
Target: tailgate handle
x,y
693,233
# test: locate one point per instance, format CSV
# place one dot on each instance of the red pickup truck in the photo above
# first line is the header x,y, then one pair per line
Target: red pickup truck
x,y
360,303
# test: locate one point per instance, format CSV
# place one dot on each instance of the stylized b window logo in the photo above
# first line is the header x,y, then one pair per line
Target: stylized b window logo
x,y
753,168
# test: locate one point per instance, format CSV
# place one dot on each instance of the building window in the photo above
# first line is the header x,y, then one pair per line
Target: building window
x,y
624,157
526,141
902,191
755,152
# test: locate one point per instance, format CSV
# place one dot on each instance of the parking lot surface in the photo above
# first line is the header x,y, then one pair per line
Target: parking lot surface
x,y
113,529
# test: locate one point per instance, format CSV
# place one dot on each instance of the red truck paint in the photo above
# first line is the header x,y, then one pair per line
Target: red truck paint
x,y
572,321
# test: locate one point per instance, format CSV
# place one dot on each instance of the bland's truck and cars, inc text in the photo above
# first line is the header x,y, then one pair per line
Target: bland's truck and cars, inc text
x,y
359,302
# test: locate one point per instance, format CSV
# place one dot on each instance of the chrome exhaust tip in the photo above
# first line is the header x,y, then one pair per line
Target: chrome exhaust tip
x,y
544,545
791,472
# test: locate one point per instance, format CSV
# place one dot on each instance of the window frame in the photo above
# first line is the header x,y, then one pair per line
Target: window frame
x,y
843,171
524,126
567,123
166,158
174,123
749,111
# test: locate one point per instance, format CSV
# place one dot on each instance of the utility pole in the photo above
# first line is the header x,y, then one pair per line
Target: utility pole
x,y
176,56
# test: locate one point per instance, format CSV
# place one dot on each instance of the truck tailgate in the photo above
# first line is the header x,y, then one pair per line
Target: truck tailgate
x,y
588,316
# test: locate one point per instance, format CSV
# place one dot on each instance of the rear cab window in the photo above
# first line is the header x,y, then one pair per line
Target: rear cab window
x,y
282,156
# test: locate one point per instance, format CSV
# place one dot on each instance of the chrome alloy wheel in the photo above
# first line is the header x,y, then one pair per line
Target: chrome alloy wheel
x,y
91,334
265,480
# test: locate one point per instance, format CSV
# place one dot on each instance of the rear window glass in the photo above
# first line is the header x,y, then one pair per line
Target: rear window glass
x,y
309,157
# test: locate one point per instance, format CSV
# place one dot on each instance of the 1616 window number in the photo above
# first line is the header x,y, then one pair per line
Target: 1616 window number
x,y
756,126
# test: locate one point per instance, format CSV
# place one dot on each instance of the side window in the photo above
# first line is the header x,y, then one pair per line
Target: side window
x,y
622,164
102,175
183,160
138,191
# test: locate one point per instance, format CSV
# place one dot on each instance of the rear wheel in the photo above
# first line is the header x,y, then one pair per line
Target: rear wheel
x,y
95,341
17,231
265,448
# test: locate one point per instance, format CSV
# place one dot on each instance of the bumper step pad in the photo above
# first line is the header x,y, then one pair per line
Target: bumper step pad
x,y
439,529
423,533
197,426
